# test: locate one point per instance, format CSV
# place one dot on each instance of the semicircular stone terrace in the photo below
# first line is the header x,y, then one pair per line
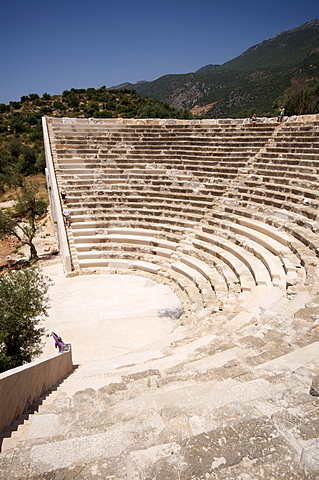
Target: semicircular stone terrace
x,y
226,216
224,213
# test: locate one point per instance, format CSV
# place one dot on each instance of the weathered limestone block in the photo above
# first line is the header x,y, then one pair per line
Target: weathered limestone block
x,y
140,464
310,457
212,455
314,389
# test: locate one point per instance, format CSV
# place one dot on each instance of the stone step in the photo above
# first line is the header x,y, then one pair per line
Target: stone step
x,y
196,404
279,260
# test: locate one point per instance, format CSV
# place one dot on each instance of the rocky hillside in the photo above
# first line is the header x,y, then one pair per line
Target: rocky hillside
x,y
253,80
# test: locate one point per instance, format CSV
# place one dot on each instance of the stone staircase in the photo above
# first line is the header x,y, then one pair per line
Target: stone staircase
x,y
226,216
220,405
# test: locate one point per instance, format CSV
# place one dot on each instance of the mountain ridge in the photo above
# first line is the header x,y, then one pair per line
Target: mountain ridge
x,y
252,80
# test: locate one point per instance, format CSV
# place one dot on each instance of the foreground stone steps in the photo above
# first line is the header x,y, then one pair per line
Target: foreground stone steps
x,y
186,410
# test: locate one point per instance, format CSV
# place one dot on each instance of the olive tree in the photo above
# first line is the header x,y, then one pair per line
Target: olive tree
x,y
24,220
23,305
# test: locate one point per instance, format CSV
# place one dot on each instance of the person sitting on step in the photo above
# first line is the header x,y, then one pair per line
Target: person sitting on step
x,y
253,120
58,341
281,114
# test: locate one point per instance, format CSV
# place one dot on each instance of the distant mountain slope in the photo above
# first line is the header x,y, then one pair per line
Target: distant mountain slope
x,y
285,50
254,79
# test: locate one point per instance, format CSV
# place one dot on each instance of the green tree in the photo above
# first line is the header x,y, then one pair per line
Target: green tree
x,y
32,119
73,100
15,105
301,98
25,219
57,105
17,125
313,93
23,304
4,107
15,147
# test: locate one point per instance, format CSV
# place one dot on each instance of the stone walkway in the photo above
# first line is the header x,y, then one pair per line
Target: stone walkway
x,y
107,316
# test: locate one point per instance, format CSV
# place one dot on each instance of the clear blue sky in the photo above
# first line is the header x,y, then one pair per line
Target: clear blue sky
x,y
54,45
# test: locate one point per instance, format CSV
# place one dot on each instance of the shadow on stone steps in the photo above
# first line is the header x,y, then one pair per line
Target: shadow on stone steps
x,y
29,410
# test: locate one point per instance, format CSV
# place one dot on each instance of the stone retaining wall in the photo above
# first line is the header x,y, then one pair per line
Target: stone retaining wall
x,y
20,386
56,203
173,121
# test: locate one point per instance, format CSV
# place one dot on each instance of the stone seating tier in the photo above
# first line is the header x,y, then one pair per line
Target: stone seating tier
x,y
154,213
282,173
303,243
201,292
261,265
274,246
136,198
296,193
136,201
275,199
202,174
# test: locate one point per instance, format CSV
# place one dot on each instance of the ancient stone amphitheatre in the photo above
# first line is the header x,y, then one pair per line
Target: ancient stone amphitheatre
x,y
225,217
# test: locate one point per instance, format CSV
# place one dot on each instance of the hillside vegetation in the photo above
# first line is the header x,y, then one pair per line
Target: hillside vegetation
x,y
21,139
255,81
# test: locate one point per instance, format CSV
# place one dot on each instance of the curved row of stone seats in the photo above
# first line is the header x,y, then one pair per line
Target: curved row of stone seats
x,y
273,267
303,243
280,179
266,240
215,162
81,185
297,200
165,252
153,187
121,214
252,267
98,177
247,273
186,203
186,170
136,194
